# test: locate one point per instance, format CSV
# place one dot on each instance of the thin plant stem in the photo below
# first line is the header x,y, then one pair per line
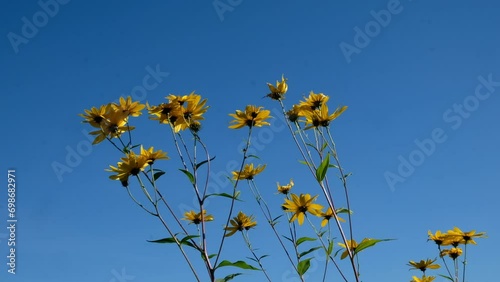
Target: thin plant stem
x,y
257,259
465,262
231,207
269,218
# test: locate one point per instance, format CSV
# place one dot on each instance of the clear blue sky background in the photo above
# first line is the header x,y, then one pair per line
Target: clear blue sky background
x,y
400,87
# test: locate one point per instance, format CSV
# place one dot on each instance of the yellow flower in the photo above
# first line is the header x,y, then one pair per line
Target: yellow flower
x,y
352,247
152,156
113,126
240,222
423,279
278,91
180,100
452,253
423,265
95,116
165,112
294,113
131,164
252,116
192,113
248,172
438,238
328,215
284,189
196,218
299,205
313,102
321,117
467,237
128,107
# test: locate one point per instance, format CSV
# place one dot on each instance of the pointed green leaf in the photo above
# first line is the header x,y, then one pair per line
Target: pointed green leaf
x,y
240,264
253,156
304,239
447,277
229,277
204,162
330,248
189,175
343,210
157,175
368,243
303,266
323,168
226,195
308,251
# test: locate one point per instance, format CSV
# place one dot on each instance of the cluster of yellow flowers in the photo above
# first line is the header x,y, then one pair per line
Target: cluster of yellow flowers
x,y
453,238
182,112
112,119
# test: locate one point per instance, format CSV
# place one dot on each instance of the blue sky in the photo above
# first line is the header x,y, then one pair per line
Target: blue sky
x,y
420,76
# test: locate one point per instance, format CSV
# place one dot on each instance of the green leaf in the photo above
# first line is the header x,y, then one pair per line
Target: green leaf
x,y
303,266
304,239
447,277
368,243
226,195
287,238
323,147
308,251
189,175
304,162
240,264
343,210
204,162
330,248
332,165
253,156
323,168
170,240
157,175
229,277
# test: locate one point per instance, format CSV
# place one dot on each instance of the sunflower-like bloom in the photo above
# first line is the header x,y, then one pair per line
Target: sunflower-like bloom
x,y
299,205
313,102
96,116
131,164
294,113
278,91
252,116
284,189
423,265
181,100
191,113
328,215
321,117
128,107
438,238
113,126
248,172
151,156
197,218
352,247
423,279
467,237
452,253
240,222
165,112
